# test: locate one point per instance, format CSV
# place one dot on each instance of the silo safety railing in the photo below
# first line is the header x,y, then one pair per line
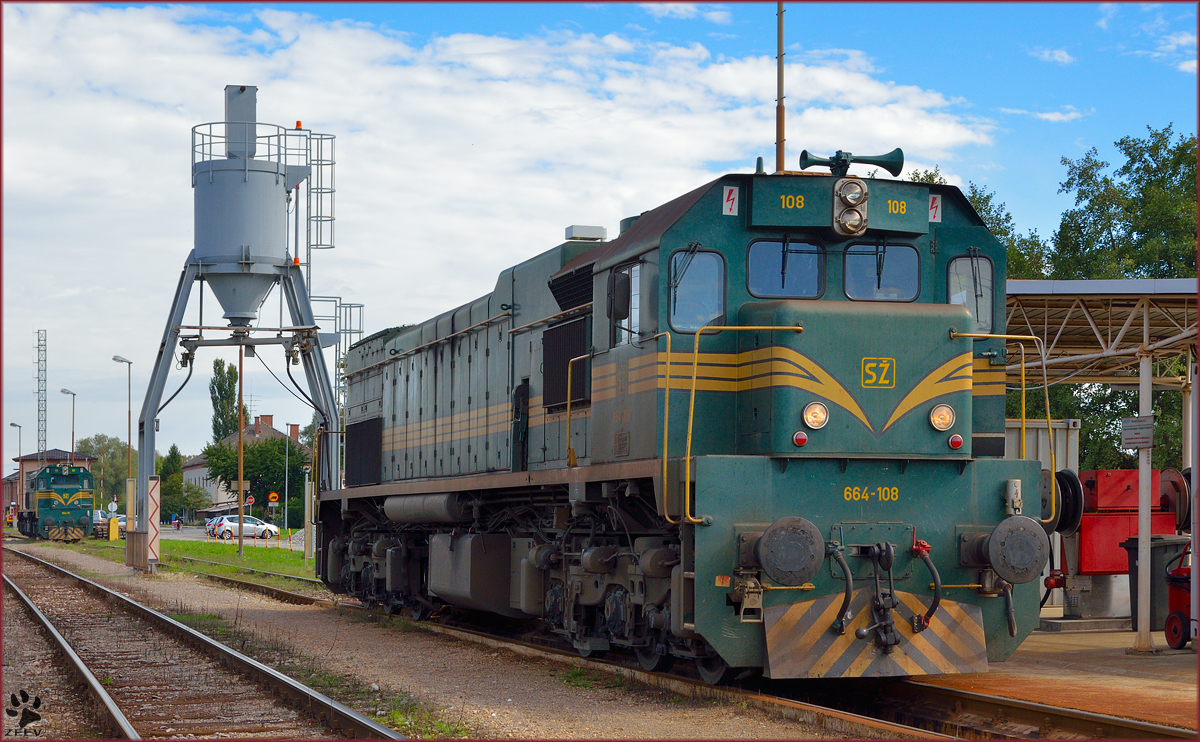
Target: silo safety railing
x,y
263,143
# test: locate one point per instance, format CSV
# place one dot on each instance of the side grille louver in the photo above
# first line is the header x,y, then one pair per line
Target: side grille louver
x,y
573,289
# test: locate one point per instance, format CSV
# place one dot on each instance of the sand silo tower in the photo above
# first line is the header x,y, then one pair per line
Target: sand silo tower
x,y
246,178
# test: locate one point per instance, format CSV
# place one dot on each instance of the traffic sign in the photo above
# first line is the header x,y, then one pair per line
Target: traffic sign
x,y
112,507
250,500
272,497
273,504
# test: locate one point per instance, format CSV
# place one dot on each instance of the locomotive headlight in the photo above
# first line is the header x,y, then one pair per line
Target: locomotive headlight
x,y
851,220
816,415
852,192
941,417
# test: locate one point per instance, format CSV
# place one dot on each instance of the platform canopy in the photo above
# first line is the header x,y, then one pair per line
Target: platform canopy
x,y
1094,331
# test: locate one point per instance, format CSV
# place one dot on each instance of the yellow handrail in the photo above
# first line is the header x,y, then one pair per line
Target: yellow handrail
x,y
571,461
687,459
1045,394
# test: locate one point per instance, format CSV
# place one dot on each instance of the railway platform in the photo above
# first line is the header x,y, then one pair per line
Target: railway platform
x,y
1091,671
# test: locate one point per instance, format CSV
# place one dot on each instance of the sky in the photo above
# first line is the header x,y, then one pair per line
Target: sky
x,y
469,136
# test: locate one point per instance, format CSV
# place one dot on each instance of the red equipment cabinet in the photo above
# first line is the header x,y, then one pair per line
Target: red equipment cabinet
x,y
1100,536
1115,489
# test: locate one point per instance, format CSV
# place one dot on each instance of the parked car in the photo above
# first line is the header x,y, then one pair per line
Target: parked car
x,y
210,525
100,522
227,527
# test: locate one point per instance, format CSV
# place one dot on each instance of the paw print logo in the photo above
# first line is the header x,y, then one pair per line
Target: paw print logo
x,y
24,708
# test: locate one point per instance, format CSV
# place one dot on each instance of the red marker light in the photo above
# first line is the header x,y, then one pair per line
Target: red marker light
x,y
956,441
800,438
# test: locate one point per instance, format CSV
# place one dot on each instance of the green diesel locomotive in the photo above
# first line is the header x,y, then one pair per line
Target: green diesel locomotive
x,y
58,503
762,428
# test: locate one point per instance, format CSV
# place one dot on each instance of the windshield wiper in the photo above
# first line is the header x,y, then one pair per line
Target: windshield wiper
x,y
976,281
684,264
783,273
880,255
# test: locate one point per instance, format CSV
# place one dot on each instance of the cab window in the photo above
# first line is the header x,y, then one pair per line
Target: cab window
x,y
970,283
625,331
696,289
785,269
882,272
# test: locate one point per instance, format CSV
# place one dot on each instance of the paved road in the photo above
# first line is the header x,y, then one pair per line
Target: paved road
x,y
196,533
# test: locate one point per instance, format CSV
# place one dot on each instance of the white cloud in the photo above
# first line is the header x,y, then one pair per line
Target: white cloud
x,y
456,159
711,13
1053,55
1177,42
1188,66
1058,117
1107,12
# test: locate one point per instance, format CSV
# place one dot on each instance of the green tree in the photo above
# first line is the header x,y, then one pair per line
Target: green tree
x,y
933,177
1139,222
309,432
1028,255
170,464
263,465
222,389
170,472
184,499
113,461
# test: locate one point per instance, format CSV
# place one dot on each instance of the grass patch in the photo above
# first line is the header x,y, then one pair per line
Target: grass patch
x,y
580,677
269,559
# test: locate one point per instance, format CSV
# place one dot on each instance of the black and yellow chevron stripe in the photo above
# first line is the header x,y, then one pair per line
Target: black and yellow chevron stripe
x,y
68,533
802,644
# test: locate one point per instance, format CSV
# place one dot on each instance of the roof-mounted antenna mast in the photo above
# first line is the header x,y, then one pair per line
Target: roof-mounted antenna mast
x,y
779,97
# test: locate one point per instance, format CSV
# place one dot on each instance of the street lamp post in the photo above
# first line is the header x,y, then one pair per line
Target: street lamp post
x,y
20,470
129,434
68,391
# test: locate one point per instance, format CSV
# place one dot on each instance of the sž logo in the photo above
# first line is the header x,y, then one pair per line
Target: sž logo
x,y
26,709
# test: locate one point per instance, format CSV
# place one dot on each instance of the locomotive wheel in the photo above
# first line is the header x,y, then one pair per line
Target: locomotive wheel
x,y
713,670
651,661
419,610
1177,628
591,654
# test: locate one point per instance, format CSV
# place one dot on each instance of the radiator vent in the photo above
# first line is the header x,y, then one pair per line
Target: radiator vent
x,y
559,345
364,452
573,289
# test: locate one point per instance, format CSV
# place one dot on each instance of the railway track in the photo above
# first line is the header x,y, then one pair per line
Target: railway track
x,y
884,707
908,704
154,677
